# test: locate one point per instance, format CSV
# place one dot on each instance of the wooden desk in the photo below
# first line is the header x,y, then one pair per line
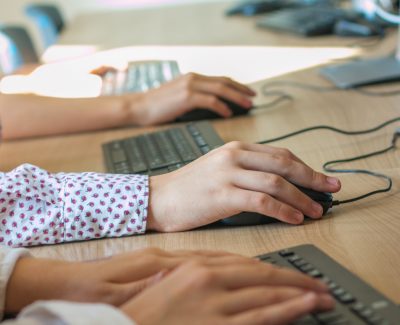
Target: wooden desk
x,y
363,236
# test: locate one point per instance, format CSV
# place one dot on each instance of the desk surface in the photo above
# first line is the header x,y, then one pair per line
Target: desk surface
x,y
363,236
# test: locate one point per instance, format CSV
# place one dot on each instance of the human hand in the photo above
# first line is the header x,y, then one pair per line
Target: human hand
x,y
114,280
186,93
234,178
230,293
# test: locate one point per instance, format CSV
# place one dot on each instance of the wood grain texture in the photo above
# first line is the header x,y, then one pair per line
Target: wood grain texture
x,y
363,236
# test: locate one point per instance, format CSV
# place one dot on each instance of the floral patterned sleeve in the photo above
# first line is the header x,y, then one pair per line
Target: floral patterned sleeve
x,y
38,208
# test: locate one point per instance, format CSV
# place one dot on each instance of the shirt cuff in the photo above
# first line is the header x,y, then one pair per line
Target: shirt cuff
x,y
66,313
8,258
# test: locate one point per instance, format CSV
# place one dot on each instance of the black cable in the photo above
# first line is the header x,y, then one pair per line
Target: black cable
x,y
327,165
281,97
329,169
331,128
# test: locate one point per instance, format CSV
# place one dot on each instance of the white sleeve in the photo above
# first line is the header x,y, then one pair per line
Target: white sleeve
x,y
8,258
65,313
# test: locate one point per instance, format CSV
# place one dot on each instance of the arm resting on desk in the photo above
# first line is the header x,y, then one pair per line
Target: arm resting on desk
x,y
37,207
24,116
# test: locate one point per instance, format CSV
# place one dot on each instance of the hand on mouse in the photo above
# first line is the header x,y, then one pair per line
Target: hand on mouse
x,y
234,178
230,293
186,93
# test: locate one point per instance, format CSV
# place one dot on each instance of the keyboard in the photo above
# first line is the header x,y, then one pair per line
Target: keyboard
x,y
310,21
139,76
356,301
161,152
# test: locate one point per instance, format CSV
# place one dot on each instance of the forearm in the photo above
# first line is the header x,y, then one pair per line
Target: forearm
x,y
29,116
41,208
48,283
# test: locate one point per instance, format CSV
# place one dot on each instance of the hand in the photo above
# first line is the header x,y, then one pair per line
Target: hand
x,y
232,293
234,178
114,280
185,93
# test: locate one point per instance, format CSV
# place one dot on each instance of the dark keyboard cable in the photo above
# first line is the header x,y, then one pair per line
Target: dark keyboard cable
x,y
328,165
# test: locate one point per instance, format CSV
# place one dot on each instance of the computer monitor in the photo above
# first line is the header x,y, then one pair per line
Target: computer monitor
x,y
369,71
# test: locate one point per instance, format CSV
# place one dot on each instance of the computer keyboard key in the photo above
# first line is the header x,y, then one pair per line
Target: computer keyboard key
x,y
314,273
294,258
337,292
286,253
346,298
300,262
306,267
118,156
332,285
358,307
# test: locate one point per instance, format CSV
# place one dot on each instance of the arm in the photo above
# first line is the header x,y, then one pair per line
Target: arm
x,y
29,116
41,208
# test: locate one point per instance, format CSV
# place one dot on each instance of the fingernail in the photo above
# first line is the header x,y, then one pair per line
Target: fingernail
x,y
333,181
298,217
248,103
317,209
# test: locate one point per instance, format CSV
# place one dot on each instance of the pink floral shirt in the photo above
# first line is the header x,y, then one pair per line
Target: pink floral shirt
x,y
39,208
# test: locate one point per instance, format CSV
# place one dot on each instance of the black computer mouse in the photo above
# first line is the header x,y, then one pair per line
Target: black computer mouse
x,y
254,7
251,218
206,114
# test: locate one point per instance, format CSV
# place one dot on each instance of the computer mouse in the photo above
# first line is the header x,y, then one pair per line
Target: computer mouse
x,y
206,114
251,8
360,29
252,218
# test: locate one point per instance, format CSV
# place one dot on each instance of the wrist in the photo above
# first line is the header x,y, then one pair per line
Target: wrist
x,y
33,279
155,220
134,105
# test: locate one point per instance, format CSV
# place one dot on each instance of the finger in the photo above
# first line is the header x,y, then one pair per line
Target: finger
x,y
280,189
231,83
285,312
199,100
263,148
242,300
292,170
224,91
125,292
251,201
239,276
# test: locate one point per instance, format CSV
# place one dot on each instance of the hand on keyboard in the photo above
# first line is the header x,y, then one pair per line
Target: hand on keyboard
x,y
234,291
234,178
185,93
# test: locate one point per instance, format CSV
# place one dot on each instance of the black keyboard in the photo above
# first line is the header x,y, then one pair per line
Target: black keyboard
x,y
311,21
160,152
356,301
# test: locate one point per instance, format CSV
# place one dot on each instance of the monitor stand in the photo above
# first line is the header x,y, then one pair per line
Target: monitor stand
x,y
365,72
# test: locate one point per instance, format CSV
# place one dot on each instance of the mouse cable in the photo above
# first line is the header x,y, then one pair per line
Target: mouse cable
x,y
331,128
327,166
281,96
294,84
